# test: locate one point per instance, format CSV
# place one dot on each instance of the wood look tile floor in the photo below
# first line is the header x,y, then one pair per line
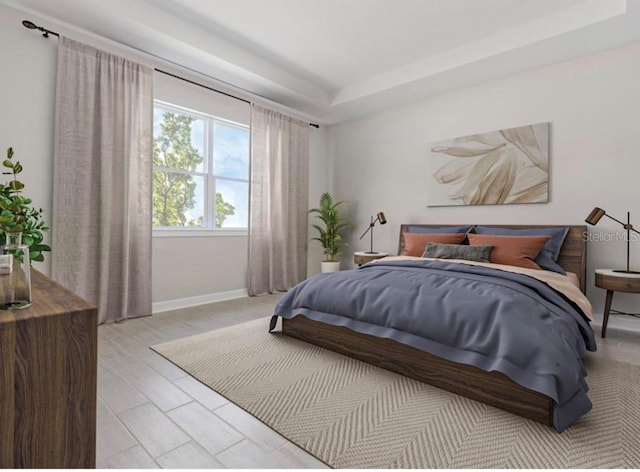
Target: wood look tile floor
x,y
151,414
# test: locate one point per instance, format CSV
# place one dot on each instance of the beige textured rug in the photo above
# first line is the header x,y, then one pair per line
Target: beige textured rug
x,y
352,415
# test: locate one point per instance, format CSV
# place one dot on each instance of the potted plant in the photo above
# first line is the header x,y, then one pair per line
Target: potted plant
x,y
329,234
17,216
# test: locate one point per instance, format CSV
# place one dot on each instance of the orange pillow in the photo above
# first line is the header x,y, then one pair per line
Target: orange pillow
x,y
414,243
519,251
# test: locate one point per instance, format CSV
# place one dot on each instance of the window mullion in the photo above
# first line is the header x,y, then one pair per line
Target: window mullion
x,y
232,179
211,188
180,171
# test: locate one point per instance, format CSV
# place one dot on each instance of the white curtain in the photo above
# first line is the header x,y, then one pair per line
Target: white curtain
x,y
278,219
101,231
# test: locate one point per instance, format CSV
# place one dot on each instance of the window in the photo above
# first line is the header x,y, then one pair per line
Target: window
x,y
200,170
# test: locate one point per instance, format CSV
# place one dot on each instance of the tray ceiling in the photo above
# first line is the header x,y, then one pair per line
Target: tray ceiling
x,y
334,60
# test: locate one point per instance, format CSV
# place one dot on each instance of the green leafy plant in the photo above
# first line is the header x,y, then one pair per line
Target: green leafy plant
x,y
330,237
17,215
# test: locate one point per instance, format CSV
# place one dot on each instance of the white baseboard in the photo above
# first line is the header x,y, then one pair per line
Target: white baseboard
x,y
179,303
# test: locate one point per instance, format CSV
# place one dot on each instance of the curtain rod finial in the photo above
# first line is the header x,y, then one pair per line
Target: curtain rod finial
x,y
33,26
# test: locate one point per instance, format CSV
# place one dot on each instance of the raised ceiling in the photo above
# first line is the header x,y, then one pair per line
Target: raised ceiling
x,y
337,43
337,59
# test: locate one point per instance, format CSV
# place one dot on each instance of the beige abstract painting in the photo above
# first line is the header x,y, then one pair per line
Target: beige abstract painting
x,y
499,167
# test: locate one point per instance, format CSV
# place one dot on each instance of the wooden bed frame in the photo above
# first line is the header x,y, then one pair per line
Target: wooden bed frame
x,y
492,388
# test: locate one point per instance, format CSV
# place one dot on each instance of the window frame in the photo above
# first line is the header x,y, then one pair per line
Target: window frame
x,y
210,179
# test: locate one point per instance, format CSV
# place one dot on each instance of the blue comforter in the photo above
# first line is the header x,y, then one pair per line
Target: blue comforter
x,y
490,318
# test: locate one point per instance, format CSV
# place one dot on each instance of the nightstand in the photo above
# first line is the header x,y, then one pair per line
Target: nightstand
x,y
615,282
364,257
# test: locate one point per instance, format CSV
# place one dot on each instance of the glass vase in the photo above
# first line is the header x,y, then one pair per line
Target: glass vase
x,y
15,274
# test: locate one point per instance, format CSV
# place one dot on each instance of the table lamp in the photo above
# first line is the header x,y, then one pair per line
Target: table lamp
x,y
379,217
595,216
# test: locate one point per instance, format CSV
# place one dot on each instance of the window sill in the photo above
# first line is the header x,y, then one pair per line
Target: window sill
x,y
197,232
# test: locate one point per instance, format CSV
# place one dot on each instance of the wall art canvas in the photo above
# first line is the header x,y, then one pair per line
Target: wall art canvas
x,y
499,167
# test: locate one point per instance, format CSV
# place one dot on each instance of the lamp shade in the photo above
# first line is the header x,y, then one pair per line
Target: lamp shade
x,y
595,216
381,218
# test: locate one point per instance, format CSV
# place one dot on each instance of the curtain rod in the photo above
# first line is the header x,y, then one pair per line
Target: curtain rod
x,y
47,32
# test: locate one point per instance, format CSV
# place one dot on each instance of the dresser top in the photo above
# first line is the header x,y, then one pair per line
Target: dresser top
x,y
49,299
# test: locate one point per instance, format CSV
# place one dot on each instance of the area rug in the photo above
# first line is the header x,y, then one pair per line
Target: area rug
x,y
352,415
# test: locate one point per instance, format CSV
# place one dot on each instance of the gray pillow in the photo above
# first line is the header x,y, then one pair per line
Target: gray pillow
x,y
457,251
444,230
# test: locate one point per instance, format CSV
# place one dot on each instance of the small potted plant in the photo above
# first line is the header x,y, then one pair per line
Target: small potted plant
x,y
17,216
329,233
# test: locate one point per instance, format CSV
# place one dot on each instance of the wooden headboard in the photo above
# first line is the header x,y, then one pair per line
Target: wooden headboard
x,y
573,254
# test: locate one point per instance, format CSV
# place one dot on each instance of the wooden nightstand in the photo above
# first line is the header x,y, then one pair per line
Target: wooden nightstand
x,y
615,282
364,257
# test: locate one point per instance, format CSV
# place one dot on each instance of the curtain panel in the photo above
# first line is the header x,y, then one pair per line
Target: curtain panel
x,y
278,219
101,231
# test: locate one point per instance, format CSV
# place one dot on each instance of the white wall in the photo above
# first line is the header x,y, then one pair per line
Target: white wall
x,y
593,105
185,267
319,182
27,90
188,266
182,267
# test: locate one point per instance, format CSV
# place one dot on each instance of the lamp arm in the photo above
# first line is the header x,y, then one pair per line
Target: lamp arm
x,y
622,223
614,219
371,225
367,230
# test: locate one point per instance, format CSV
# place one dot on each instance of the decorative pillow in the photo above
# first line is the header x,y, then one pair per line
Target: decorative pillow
x,y
414,243
519,251
550,251
443,230
458,251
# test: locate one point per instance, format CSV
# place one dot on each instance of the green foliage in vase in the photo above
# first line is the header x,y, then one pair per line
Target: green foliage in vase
x,y
16,213
175,193
329,235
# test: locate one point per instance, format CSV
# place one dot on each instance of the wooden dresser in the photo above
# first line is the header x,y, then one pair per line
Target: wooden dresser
x,y
48,371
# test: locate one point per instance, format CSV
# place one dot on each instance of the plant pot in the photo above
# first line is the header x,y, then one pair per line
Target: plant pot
x,y
329,266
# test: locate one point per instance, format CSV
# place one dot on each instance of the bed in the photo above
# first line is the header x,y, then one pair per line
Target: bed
x,y
554,393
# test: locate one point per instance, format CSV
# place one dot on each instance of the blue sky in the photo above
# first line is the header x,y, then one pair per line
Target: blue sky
x,y
230,151
236,193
